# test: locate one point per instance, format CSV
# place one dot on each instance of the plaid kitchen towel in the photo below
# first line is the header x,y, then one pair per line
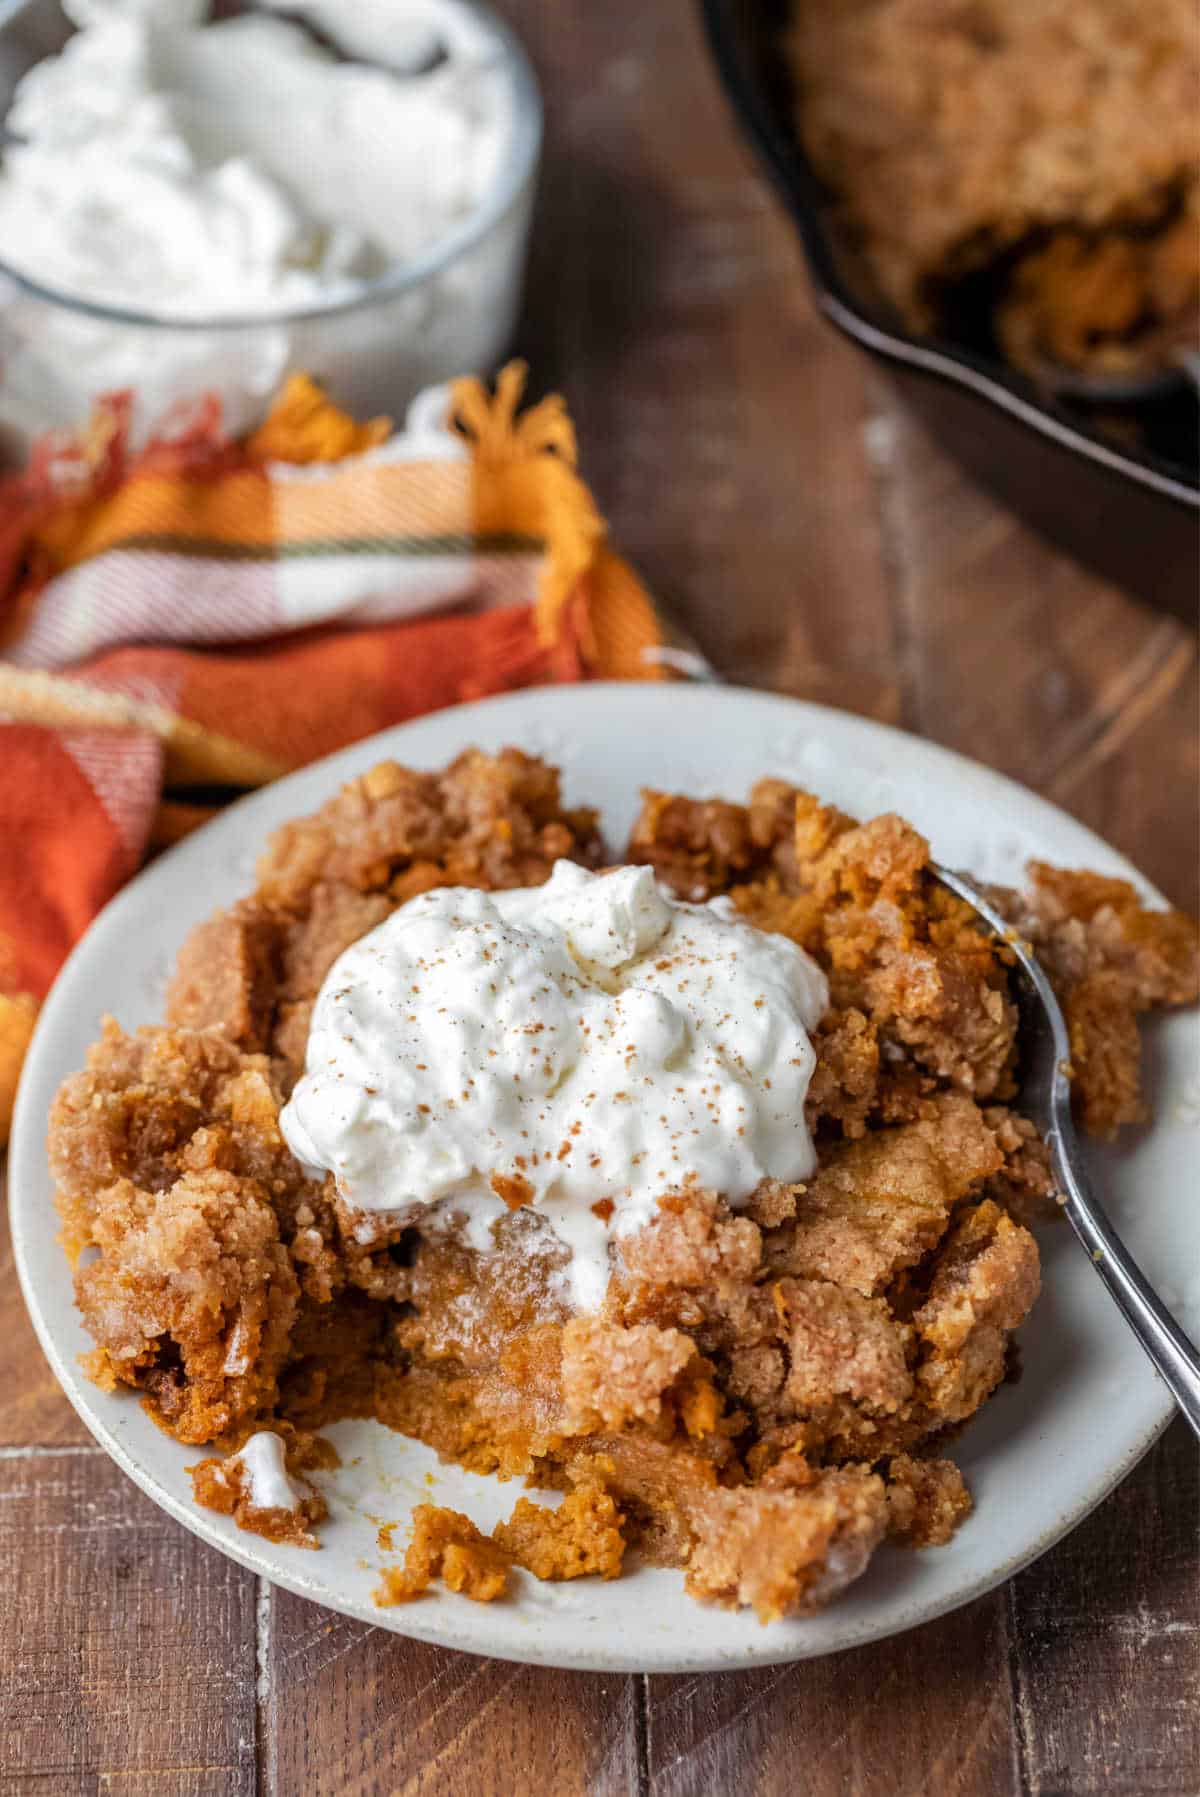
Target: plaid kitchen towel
x,y
207,614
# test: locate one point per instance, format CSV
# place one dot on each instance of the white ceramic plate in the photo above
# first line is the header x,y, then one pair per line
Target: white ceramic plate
x,y
1042,1453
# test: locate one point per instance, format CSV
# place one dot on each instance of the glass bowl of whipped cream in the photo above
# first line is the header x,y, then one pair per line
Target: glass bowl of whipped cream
x,y
199,199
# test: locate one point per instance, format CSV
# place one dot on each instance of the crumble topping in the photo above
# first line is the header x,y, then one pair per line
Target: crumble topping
x,y
766,1387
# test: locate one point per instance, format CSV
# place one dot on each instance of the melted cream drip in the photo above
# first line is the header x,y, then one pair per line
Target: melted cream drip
x,y
268,1485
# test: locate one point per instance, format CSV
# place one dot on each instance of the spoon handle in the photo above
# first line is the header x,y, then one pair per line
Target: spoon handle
x,y
1174,1356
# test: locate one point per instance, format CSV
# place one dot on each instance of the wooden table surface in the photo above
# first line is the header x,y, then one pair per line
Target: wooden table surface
x,y
817,543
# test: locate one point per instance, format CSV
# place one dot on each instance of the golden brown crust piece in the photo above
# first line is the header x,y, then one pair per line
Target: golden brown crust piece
x,y
489,821
201,1231
583,1536
926,1500
1109,958
613,1375
878,1205
787,1552
984,1284
845,1088
446,1544
1024,1186
841,1345
191,1299
493,821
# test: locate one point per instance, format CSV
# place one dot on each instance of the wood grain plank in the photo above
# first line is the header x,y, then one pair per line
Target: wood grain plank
x,y
1016,656
722,423
129,1647
33,1409
1106,1633
359,1712
1141,793
928,1712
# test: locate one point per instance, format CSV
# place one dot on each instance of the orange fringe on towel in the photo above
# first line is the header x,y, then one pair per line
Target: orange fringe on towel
x,y
84,493
525,481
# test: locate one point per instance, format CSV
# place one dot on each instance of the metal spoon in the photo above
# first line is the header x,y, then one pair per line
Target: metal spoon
x,y
1045,1098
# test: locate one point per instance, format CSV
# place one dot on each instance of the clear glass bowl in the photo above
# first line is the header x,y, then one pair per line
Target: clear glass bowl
x,y
452,311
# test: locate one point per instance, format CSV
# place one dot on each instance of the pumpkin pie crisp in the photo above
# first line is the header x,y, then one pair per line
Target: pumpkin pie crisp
x,y
687,1186
1038,155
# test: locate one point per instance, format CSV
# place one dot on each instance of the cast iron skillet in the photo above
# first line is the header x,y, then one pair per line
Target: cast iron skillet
x,y
1131,514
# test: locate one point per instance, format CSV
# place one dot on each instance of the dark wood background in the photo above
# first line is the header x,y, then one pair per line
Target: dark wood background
x,y
814,541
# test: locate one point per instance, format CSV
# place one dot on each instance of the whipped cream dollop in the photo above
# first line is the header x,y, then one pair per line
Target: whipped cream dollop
x,y
193,170
583,1047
